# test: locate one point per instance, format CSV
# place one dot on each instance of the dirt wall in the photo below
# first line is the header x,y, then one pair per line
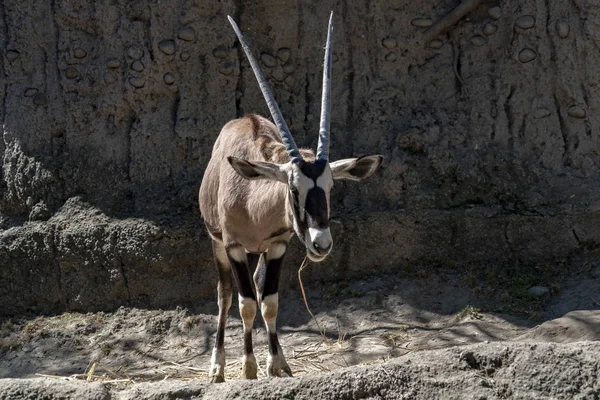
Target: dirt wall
x,y
490,133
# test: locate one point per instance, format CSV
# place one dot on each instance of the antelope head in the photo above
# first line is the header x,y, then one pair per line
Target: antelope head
x,y
309,183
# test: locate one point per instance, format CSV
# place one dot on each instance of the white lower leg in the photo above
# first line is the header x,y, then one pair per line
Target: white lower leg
x,y
248,313
276,363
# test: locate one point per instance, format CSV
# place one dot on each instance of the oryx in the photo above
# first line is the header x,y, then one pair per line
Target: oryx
x,y
257,190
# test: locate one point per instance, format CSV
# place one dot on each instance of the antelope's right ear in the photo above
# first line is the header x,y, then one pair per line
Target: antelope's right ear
x,y
258,169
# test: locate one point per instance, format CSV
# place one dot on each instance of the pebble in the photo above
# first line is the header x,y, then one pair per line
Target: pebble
x,y
538,291
113,63
167,47
40,99
389,43
137,82
226,68
495,13
186,33
576,112
169,78
421,22
185,55
541,113
562,29
490,28
278,73
478,40
527,55
12,55
135,52
268,60
288,68
220,52
436,44
284,54
71,72
391,57
109,78
30,92
290,81
525,22
137,66
79,53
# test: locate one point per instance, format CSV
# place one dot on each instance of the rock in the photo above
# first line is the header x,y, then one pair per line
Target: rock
x,y
185,55
391,57
541,113
167,47
135,52
278,73
495,13
284,54
538,291
137,82
268,60
226,68
288,68
562,29
169,78
290,81
526,55
478,40
109,78
490,28
525,22
137,66
436,44
71,73
389,43
12,55
30,92
186,33
421,22
40,99
220,52
79,53
576,111
113,63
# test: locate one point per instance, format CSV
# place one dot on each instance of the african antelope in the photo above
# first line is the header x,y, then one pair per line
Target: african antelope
x,y
257,190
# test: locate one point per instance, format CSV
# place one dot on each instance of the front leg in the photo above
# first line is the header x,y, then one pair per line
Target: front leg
x,y
267,284
247,302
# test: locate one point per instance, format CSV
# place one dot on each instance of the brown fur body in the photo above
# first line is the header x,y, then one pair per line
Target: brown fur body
x,y
251,213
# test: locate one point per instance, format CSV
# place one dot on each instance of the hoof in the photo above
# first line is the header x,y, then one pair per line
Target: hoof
x,y
249,367
217,379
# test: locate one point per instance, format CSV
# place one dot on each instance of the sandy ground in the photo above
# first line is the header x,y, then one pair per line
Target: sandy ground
x,y
360,322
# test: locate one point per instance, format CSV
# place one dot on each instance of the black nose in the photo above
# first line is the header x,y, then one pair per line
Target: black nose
x,y
321,250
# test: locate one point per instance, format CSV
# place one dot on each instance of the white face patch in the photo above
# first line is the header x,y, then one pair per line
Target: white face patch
x,y
302,184
325,182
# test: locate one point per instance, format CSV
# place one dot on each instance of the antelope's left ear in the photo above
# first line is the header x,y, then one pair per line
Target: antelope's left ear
x,y
355,169
258,169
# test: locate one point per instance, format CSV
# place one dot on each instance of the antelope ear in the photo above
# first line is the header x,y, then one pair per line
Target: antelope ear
x,y
258,170
355,169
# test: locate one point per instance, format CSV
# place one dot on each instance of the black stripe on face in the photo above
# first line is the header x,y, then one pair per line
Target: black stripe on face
x,y
313,170
316,208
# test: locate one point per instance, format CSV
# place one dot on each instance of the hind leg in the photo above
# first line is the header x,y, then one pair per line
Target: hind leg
x,y
267,284
224,292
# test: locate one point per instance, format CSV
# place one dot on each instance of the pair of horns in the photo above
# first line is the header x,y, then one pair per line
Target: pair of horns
x,y
284,131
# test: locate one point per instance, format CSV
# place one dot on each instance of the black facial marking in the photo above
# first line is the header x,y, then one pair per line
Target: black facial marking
x,y
316,208
313,170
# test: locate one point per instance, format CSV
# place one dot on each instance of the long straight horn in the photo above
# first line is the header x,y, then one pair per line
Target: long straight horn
x,y
323,147
284,131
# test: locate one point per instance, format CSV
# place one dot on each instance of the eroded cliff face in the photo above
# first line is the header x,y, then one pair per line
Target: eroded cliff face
x,y
490,133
